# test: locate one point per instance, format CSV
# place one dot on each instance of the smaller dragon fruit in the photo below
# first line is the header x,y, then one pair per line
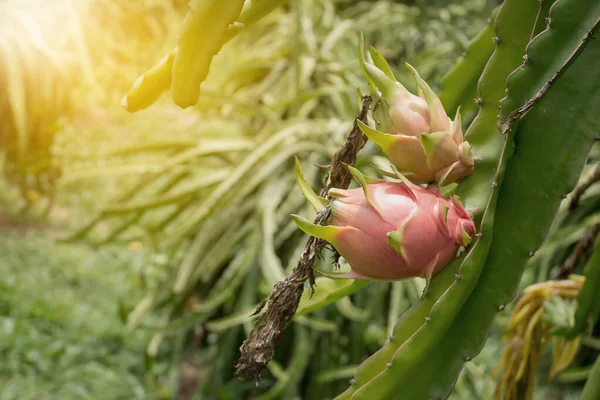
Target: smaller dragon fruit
x,y
419,137
391,230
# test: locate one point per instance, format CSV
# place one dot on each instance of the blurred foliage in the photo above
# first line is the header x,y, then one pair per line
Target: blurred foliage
x,y
90,51
61,336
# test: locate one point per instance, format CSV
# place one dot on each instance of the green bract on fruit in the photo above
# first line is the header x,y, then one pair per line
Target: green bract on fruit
x,y
417,135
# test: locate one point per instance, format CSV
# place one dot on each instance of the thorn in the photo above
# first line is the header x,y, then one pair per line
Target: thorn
x,y
391,337
479,101
351,382
501,307
479,234
427,319
494,184
468,358
457,276
531,253
496,39
389,365
525,59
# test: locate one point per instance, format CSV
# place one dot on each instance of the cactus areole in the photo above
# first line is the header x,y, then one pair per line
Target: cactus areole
x,y
391,230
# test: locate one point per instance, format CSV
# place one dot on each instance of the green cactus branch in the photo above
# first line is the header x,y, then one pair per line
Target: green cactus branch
x,y
392,371
518,113
420,328
524,213
207,27
460,83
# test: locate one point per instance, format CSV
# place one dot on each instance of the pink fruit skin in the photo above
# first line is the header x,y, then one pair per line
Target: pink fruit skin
x,y
430,237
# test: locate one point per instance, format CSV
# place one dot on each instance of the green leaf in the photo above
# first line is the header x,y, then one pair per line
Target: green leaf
x,y
239,177
182,194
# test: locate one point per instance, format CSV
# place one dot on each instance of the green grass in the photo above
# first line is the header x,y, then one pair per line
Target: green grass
x,y
61,334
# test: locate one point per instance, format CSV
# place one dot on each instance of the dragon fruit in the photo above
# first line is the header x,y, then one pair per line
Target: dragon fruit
x,y
418,136
391,230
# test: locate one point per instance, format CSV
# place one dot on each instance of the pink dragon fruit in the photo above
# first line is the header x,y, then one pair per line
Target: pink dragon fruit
x,y
394,230
419,137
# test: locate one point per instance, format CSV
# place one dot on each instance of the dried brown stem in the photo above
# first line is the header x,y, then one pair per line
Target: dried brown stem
x,y
258,349
581,251
581,189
